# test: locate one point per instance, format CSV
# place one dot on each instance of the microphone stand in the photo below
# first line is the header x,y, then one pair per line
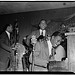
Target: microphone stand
x,y
15,51
32,66
33,41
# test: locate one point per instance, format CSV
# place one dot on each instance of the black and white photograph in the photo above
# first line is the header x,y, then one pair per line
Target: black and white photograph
x,y
37,36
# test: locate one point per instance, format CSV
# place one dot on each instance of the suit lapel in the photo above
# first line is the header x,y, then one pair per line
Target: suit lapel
x,y
37,33
7,36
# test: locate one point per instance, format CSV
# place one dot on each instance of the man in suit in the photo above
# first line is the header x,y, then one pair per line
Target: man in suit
x,y
43,51
5,48
58,50
42,31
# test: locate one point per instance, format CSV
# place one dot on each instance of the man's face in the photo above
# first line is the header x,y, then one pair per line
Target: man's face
x,y
56,41
10,28
43,24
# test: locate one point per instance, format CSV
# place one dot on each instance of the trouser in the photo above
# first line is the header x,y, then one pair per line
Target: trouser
x,y
24,63
4,65
26,60
11,62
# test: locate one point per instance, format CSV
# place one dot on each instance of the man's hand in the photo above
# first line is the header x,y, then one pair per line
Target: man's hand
x,y
51,58
13,45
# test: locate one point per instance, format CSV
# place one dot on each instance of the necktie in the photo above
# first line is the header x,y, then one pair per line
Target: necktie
x,y
52,53
42,32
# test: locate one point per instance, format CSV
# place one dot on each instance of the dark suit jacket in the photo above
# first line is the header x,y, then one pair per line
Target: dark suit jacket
x,y
5,48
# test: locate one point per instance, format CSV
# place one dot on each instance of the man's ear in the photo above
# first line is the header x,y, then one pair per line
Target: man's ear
x,y
52,37
7,28
39,25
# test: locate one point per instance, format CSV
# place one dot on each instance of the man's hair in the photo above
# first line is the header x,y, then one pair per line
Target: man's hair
x,y
40,22
7,26
43,20
57,33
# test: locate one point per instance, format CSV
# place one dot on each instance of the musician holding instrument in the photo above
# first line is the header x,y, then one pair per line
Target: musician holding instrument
x,y
5,48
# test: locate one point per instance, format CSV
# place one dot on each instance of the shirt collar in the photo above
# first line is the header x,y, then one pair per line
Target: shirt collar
x,y
8,33
42,30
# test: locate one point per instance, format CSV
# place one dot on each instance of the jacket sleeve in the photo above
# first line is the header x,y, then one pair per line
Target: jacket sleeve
x,y
60,53
3,45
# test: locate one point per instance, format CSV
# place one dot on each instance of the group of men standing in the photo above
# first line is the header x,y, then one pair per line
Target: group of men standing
x,y
47,48
5,48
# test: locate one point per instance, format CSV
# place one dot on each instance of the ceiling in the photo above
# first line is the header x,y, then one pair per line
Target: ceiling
x,y
16,7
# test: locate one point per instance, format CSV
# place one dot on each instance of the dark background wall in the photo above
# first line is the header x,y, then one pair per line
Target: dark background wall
x,y
26,20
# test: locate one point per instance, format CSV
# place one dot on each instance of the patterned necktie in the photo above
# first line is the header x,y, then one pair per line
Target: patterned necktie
x,y
42,32
52,53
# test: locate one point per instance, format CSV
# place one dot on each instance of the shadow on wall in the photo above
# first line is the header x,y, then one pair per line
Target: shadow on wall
x,y
27,19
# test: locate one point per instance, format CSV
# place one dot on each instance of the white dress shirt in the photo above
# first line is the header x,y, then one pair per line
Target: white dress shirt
x,y
49,46
8,34
60,53
44,32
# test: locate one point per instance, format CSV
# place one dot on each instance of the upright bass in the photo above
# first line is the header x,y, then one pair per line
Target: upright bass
x,y
18,50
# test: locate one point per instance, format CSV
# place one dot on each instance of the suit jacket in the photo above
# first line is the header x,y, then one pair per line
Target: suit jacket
x,y
36,33
5,48
60,53
41,54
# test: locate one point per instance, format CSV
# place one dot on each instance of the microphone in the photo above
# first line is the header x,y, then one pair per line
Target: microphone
x,y
33,42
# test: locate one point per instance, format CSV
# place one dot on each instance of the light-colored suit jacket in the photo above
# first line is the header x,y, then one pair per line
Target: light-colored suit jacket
x,y
36,33
60,53
41,54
